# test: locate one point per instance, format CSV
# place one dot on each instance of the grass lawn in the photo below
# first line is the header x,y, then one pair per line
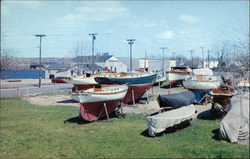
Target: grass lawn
x,y
29,131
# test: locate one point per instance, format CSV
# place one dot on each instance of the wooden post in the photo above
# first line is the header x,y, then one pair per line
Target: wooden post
x,y
147,96
27,92
121,107
159,88
18,92
106,111
133,96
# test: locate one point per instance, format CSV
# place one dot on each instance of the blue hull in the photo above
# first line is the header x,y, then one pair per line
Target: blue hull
x,y
132,80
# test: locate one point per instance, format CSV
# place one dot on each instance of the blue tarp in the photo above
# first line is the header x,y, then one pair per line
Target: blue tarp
x,y
21,74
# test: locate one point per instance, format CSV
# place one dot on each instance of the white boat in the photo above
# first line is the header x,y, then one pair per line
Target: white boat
x,y
100,94
85,81
178,74
202,79
160,78
158,123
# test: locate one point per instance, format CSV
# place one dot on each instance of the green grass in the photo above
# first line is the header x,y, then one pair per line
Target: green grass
x,y
29,131
56,93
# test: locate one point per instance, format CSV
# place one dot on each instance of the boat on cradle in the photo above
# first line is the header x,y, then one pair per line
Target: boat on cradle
x,y
201,83
202,79
85,81
99,102
176,100
178,74
138,84
159,122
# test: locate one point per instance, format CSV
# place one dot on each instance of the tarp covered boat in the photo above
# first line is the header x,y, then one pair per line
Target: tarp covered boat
x,y
235,125
176,100
99,102
158,123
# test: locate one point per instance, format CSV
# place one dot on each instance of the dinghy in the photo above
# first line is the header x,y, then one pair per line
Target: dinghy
x,y
99,102
158,123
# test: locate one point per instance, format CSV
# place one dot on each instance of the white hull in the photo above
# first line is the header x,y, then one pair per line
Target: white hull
x,y
171,76
81,81
161,79
201,85
158,123
105,94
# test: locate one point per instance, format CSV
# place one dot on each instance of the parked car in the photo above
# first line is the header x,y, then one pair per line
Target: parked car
x,y
57,80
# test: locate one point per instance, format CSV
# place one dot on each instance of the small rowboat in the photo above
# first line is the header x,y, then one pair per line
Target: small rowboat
x,y
99,102
158,123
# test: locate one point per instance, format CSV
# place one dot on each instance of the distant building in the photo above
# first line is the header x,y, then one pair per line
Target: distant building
x,y
104,60
156,64
211,64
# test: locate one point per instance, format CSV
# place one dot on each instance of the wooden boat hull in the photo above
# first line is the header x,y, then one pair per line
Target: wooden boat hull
x,y
200,85
100,95
135,79
95,110
176,77
138,90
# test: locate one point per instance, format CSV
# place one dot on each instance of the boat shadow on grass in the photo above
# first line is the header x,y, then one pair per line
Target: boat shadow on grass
x,y
67,101
79,120
209,115
169,130
216,134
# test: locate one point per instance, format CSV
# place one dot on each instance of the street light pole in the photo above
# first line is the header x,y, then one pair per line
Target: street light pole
x,y
163,48
130,42
40,58
191,51
93,45
202,49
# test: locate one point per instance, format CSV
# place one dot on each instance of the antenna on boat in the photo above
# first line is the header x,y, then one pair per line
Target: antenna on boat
x,y
130,42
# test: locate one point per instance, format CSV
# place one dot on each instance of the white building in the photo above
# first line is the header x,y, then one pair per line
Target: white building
x,y
112,63
156,64
211,64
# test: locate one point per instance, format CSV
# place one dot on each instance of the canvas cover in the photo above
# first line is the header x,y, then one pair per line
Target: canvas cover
x,y
176,100
158,123
235,125
203,71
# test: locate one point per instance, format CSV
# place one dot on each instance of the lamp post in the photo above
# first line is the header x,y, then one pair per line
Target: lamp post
x,y
130,42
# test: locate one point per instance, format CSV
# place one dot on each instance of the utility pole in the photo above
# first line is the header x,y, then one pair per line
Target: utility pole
x,y
208,58
93,46
173,55
202,49
130,42
191,51
40,58
163,48
145,60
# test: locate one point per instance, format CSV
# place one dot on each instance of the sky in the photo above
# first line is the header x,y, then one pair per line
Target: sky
x,y
178,25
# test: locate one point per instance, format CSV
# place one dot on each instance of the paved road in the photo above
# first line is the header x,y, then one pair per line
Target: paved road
x,y
34,90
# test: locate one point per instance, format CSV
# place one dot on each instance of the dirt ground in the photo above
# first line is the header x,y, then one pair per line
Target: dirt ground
x,y
139,108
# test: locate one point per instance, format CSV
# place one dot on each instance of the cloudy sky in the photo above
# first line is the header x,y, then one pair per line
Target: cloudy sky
x,y
177,25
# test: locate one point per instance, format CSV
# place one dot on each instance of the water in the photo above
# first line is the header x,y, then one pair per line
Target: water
x,y
21,74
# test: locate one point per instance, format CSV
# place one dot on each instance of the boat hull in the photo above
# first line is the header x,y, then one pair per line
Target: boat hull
x,y
135,79
176,77
95,110
138,90
200,85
